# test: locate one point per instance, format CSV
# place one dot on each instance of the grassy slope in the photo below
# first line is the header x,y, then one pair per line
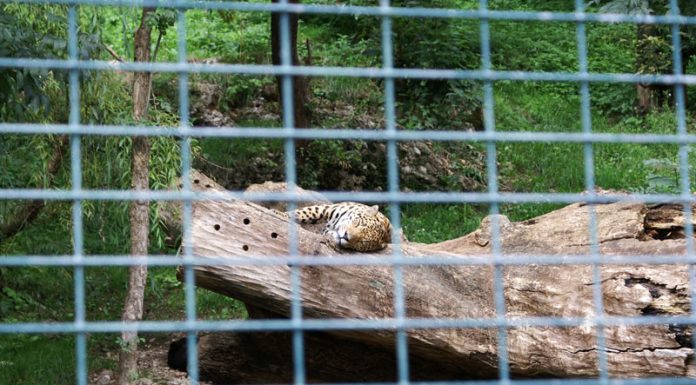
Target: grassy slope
x,y
555,107
552,167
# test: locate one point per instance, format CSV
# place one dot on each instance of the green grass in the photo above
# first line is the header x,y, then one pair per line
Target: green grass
x,y
228,152
555,167
559,167
430,223
35,359
50,359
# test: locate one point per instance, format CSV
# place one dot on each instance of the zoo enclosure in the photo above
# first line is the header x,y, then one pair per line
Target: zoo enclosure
x,y
486,74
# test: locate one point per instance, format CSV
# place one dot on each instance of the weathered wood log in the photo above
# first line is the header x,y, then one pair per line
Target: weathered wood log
x,y
170,212
246,230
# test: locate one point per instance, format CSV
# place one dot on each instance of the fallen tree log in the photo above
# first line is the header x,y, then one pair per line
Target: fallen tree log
x,y
246,230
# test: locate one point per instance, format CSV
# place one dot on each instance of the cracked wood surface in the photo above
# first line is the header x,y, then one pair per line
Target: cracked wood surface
x,y
246,230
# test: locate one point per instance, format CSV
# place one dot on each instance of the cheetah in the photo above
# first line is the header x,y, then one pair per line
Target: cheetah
x,y
350,225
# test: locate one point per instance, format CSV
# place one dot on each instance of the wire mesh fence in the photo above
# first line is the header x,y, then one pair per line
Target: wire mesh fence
x,y
394,195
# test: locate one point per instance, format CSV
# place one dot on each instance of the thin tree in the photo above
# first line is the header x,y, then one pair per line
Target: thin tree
x,y
300,88
139,212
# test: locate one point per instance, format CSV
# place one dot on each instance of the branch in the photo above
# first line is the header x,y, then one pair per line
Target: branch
x,y
151,96
308,59
113,53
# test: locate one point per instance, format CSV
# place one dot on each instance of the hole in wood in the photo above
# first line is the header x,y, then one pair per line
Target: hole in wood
x,y
216,227
664,234
246,221
196,181
245,248
208,186
274,235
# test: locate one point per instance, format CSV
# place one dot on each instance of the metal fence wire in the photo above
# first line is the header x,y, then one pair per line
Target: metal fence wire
x,y
400,323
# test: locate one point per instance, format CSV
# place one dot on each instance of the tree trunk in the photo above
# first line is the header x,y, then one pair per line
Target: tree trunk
x,y
139,213
300,88
688,51
245,230
646,101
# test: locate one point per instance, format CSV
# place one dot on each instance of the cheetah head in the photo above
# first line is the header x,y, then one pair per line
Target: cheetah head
x,y
372,232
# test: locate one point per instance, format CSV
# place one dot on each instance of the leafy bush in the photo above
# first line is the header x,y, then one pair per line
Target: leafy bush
x,y
22,88
437,43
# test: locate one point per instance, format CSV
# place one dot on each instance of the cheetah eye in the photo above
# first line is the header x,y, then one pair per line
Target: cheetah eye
x,y
348,235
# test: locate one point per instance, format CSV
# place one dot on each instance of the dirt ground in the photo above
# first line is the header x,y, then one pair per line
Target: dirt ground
x,y
152,363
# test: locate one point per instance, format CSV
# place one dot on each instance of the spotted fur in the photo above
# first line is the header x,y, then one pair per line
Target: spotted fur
x,y
350,225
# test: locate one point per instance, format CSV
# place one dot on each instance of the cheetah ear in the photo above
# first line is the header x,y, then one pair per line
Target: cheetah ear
x,y
374,209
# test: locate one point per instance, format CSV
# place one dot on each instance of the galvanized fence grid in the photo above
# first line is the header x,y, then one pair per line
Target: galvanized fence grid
x,y
400,323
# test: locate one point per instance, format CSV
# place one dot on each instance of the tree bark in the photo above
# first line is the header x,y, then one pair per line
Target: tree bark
x,y
27,212
300,87
139,212
646,100
245,230
170,211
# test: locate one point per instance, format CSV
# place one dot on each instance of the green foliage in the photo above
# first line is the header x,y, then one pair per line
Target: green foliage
x,y
241,90
533,5
534,46
436,43
218,307
23,159
105,99
327,171
653,50
49,234
635,167
551,47
343,50
22,88
656,52
119,24
236,37
161,20
611,99
643,7
417,43
663,177
39,31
